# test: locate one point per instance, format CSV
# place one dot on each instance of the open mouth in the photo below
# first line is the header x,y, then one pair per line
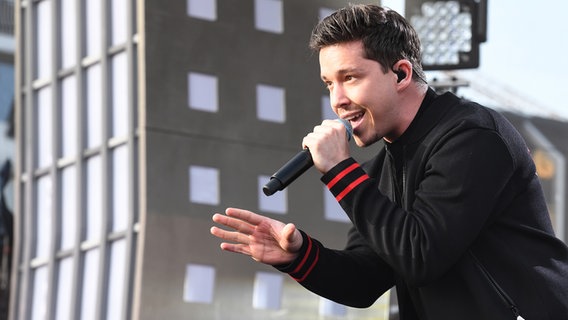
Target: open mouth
x,y
355,119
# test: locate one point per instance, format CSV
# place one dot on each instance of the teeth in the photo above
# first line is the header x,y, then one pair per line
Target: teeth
x,y
356,116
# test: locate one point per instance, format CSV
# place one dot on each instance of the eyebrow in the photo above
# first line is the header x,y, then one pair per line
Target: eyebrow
x,y
345,71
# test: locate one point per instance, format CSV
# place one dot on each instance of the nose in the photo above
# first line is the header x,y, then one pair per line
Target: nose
x,y
338,97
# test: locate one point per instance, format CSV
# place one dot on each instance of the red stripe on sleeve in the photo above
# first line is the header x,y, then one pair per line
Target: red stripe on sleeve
x,y
341,175
310,268
305,256
351,186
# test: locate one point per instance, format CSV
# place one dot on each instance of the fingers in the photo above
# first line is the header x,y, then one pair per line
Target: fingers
x,y
233,223
236,248
233,236
242,222
311,139
329,128
239,242
329,132
245,215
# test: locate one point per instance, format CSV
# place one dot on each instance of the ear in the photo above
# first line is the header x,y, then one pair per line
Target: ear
x,y
400,75
403,71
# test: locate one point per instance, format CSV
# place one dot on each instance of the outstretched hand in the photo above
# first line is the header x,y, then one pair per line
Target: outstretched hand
x,y
263,239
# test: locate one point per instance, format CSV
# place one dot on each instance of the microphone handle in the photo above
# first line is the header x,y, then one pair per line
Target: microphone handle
x,y
301,162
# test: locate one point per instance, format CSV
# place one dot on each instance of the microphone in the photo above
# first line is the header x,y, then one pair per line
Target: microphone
x,y
296,166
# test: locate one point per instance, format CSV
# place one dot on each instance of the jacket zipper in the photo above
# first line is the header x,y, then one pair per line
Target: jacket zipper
x,y
403,198
398,189
394,185
504,296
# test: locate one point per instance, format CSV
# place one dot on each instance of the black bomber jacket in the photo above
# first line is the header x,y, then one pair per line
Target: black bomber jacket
x,y
452,214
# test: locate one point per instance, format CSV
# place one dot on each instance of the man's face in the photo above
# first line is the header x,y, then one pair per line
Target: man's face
x,y
360,92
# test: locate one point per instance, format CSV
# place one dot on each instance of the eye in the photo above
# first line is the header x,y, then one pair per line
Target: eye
x,y
328,84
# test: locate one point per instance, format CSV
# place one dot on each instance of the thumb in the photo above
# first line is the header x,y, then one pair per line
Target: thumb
x,y
292,240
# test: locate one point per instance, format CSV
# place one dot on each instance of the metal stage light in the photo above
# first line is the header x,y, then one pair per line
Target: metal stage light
x,y
450,32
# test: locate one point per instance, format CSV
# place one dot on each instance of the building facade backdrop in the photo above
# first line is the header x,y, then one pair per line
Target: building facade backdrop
x,y
137,120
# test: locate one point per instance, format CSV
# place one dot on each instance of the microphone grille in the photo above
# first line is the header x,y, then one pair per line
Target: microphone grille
x,y
348,128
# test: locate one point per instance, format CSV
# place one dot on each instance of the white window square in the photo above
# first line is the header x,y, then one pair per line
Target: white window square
x,y
204,185
116,289
270,103
120,188
44,40
69,109
68,198
202,92
330,308
276,203
326,111
119,21
94,106
43,216
94,197
68,33
64,289
269,15
267,292
93,27
331,208
120,99
324,12
91,272
44,127
40,293
199,283
202,9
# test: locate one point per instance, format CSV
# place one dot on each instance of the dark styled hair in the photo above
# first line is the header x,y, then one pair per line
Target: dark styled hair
x,y
386,36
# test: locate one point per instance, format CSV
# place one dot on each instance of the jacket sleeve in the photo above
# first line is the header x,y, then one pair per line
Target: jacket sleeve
x,y
461,181
355,277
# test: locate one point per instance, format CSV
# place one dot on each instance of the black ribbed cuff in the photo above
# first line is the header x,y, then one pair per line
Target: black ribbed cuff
x,y
344,177
307,258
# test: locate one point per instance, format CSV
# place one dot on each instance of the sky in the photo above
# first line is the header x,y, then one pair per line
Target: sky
x,y
525,58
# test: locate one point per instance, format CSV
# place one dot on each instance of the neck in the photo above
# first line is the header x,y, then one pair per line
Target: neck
x,y
410,100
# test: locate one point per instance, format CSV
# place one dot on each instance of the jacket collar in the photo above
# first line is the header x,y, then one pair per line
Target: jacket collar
x,y
431,110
